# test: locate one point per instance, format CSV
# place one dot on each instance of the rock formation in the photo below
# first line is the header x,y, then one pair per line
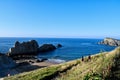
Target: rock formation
x,y
59,45
46,47
110,41
29,47
21,50
6,62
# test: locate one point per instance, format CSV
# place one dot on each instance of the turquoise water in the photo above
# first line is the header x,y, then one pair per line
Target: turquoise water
x,y
72,48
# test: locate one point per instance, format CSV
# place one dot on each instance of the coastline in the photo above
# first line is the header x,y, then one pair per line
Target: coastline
x,y
25,66
77,47
30,63
76,69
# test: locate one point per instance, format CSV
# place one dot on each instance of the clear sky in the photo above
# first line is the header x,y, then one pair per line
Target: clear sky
x,y
60,18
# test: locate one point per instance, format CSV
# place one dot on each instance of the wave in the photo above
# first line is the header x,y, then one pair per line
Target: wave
x,y
56,60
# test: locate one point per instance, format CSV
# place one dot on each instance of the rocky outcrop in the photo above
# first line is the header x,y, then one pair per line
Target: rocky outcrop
x,y
21,50
30,47
6,62
46,48
59,45
110,41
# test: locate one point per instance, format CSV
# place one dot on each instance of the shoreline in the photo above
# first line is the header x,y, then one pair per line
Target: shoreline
x,y
25,66
72,68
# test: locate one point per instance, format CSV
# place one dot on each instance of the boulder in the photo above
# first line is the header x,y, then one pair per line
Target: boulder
x,y
110,42
30,47
46,48
59,45
41,60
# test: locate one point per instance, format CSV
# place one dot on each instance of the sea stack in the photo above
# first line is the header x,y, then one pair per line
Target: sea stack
x,y
110,42
46,48
59,45
30,47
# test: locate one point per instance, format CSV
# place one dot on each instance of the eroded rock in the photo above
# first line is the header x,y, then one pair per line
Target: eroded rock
x,y
110,41
30,47
46,48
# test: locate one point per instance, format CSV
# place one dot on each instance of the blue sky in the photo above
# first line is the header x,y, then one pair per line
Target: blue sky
x,y
60,18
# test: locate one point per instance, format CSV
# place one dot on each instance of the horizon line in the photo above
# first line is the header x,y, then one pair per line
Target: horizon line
x,y
58,37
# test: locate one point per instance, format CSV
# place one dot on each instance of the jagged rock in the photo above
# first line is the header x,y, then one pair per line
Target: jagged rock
x,y
41,60
110,41
6,62
1,54
46,47
59,45
29,47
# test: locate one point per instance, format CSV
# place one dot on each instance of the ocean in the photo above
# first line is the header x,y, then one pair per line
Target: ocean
x,y
73,48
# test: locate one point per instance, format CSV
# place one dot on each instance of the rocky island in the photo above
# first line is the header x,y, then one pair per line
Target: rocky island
x,y
30,47
110,42
26,49
46,48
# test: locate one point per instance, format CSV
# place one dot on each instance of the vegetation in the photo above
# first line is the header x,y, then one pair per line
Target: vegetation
x,y
98,67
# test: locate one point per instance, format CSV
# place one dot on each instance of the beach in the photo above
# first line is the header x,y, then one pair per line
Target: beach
x,y
25,66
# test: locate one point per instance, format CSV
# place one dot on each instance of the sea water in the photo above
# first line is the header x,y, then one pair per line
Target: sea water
x,y
73,48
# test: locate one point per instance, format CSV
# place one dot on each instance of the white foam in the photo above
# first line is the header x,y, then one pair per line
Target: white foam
x,y
56,60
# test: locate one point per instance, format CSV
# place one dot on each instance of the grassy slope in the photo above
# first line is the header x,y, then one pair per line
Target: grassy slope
x,y
99,67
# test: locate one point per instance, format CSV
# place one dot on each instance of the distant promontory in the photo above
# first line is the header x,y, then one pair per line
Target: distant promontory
x,y
110,42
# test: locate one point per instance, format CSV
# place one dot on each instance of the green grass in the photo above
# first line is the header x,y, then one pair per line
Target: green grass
x,y
98,68
34,75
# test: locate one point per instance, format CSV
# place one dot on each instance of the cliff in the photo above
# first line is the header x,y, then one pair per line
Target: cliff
x,y
110,41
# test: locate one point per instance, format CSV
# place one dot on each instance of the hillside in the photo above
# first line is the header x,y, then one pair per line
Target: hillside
x,y
101,66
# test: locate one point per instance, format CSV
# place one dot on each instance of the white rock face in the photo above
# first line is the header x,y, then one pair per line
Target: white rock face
x,y
110,41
